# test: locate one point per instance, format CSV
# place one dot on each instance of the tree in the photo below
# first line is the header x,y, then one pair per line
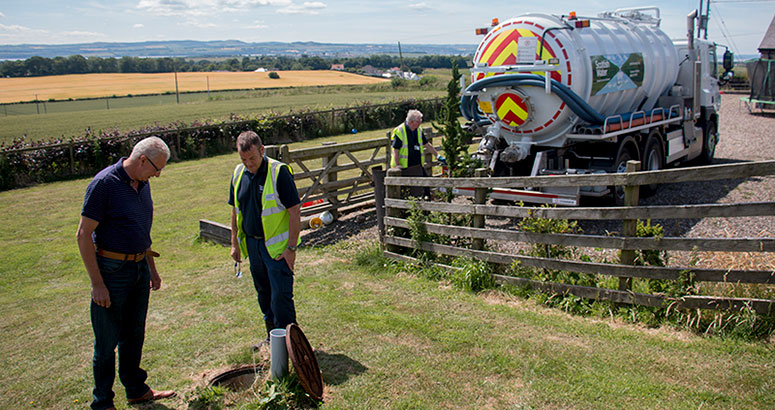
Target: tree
x,y
128,65
77,64
36,66
455,138
146,65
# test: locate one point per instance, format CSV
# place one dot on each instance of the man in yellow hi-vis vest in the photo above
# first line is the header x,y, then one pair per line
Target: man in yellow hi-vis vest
x,y
409,144
265,225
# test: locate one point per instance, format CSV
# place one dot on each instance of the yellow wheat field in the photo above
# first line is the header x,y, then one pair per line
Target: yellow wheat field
x,y
76,86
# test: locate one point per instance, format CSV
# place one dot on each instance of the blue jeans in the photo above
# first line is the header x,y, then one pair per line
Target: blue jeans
x,y
274,283
122,325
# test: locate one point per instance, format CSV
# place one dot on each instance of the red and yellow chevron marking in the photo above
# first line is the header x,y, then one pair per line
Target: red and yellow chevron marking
x,y
502,50
512,109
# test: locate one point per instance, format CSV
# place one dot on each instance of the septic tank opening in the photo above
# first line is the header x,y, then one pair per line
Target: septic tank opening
x,y
240,378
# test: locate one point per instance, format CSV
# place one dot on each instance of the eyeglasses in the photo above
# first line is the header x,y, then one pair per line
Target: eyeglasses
x,y
153,165
238,269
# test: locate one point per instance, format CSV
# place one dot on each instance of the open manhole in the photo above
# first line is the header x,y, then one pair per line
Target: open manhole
x,y
240,378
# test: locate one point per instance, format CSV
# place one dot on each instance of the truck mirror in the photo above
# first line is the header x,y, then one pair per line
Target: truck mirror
x,y
729,60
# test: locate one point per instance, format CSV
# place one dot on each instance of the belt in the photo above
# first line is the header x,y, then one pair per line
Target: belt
x,y
132,257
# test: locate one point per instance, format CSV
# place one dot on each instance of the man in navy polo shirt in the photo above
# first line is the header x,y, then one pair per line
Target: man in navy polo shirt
x,y
114,238
265,226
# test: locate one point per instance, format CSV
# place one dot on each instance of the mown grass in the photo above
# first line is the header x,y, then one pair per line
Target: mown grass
x,y
385,338
74,123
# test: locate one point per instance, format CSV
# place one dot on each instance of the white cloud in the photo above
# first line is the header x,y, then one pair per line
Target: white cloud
x,y
17,29
199,24
420,6
1,14
138,25
308,7
83,33
203,7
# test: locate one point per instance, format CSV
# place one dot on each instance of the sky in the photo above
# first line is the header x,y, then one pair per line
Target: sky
x,y
740,24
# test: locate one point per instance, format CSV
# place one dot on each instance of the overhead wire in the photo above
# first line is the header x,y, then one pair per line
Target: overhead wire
x,y
725,32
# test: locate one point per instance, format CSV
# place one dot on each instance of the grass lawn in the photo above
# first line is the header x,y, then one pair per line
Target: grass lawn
x,y
383,340
66,122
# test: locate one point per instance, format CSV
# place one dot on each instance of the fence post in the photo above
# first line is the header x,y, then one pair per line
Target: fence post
x,y
388,150
330,177
272,151
285,154
392,192
480,197
629,226
428,156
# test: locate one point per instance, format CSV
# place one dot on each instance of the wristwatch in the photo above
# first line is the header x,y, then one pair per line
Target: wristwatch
x,y
291,248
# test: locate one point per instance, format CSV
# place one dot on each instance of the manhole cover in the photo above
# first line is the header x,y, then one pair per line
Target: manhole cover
x,y
304,361
240,378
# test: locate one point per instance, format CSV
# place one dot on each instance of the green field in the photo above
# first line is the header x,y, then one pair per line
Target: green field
x,y
384,338
66,119
163,110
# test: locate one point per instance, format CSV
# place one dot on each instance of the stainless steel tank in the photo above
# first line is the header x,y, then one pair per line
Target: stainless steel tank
x,y
620,63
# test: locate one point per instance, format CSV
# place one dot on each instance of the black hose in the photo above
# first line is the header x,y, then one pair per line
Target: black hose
x,y
573,100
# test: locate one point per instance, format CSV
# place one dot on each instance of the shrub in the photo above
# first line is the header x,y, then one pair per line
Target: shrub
x,y
45,161
473,275
274,75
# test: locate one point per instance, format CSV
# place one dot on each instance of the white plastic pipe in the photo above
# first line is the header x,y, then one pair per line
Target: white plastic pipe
x,y
278,354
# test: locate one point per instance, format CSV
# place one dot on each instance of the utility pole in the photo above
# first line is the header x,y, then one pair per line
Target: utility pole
x,y
177,94
400,56
702,20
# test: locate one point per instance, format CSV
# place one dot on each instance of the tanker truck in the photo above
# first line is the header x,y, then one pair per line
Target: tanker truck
x,y
565,94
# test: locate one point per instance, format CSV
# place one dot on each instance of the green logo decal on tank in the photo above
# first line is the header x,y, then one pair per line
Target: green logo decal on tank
x,y
616,72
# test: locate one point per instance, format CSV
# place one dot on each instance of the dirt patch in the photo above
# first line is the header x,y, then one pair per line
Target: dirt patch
x,y
355,226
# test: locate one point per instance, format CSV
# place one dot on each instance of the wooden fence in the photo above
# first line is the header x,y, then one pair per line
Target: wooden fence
x,y
396,208
333,177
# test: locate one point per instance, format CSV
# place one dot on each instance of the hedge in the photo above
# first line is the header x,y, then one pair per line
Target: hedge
x,y
23,164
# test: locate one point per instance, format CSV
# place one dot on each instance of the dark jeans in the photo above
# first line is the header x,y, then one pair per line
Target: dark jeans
x,y
122,325
274,283
415,171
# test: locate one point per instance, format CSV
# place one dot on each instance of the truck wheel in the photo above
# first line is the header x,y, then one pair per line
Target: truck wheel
x,y
709,141
653,161
621,166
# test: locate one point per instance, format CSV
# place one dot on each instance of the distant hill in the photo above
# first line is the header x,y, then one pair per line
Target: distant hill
x,y
228,48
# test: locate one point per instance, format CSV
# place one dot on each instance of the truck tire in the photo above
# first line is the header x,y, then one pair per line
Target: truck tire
x,y
653,160
622,157
709,141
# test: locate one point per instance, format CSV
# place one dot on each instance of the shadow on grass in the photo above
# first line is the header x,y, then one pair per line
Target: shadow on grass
x,y
338,368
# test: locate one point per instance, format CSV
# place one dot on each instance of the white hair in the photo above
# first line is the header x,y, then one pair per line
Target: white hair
x,y
150,147
413,115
